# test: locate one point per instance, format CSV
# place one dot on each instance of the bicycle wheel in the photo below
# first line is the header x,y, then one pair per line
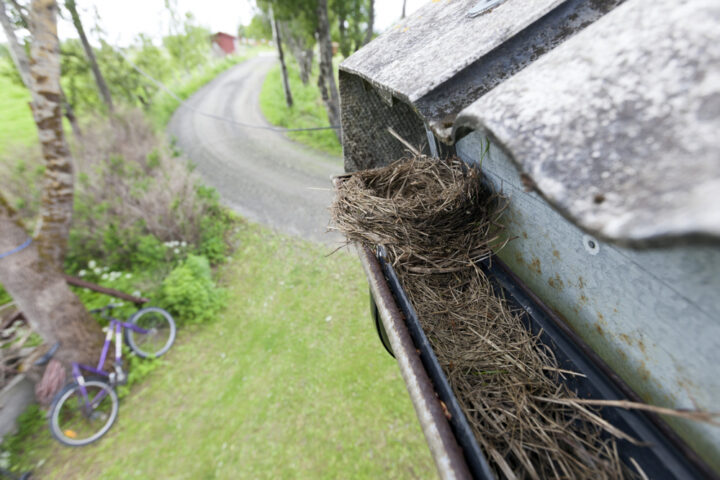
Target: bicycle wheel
x,y
77,420
160,335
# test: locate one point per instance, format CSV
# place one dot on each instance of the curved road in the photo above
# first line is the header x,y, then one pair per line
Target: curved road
x,y
260,174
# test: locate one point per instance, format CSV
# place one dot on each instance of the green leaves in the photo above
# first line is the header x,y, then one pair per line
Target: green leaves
x,y
190,293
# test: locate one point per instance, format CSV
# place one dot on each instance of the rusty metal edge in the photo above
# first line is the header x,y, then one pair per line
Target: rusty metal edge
x,y
448,456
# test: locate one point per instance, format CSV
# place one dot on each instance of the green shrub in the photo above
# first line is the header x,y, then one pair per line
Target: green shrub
x,y
139,212
215,227
150,252
136,204
190,293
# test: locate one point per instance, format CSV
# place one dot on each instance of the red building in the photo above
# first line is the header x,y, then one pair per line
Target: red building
x,y
224,43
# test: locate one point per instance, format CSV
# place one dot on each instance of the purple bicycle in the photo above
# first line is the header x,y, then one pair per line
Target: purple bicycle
x,y
86,408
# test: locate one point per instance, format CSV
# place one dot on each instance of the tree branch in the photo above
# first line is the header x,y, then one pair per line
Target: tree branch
x,y
22,11
17,52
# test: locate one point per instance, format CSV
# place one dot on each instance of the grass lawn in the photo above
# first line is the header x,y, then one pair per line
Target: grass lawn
x,y
16,121
307,111
290,381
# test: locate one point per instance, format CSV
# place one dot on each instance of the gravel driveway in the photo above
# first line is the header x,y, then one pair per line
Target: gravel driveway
x,y
260,174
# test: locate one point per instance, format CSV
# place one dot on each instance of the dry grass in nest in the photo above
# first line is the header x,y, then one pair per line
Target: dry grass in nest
x,y
429,214
437,221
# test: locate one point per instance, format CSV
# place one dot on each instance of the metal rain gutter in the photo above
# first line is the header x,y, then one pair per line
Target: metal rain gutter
x,y
448,456
452,444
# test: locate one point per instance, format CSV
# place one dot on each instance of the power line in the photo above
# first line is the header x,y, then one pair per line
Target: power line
x,y
184,104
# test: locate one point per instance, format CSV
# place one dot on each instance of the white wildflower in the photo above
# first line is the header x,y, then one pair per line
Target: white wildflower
x,y
128,275
82,273
136,293
104,276
177,251
183,244
328,318
97,270
92,264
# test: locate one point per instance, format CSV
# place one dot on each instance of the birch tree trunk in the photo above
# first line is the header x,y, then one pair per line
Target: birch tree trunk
x,y
40,292
403,10
33,276
371,23
22,64
326,79
57,197
99,79
281,56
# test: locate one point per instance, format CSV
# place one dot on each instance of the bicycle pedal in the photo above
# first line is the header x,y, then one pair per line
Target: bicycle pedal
x,y
118,377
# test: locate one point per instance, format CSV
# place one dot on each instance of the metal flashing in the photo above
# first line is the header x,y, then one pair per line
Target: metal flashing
x,y
440,60
439,40
618,127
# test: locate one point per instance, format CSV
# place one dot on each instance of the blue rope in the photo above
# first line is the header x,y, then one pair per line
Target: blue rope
x,y
17,249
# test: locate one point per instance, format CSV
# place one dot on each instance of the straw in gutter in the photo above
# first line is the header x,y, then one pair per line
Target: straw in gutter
x,y
437,222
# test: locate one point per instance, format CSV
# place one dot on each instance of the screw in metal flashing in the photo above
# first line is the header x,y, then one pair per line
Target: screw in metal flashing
x,y
592,246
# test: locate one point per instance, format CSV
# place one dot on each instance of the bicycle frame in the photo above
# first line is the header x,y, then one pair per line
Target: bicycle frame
x,y
116,326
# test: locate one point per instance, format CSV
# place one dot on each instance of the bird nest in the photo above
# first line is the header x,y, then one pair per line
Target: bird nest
x,y
438,220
